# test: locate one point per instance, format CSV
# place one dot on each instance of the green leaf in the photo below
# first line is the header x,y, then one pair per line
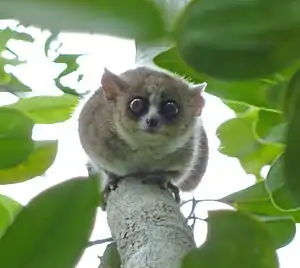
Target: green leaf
x,y
290,95
111,257
11,205
245,145
70,60
145,52
4,219
271,127
47,109
283,230
133,19
54,228
292,154
53,37
256,192
15,85
9,209
94,173
248,243
266,207
4,76
66,89
249,46
71,66
256,199
262,93
276,185
13,62
15,137
8,34
237,107
36,164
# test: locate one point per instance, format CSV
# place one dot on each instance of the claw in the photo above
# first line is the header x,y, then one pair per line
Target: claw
x,y
175,191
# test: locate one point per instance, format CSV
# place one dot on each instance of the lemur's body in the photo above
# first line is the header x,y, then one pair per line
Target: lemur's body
x,y
145,121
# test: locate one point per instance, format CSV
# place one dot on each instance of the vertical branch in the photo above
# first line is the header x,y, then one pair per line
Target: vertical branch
x,y
147,225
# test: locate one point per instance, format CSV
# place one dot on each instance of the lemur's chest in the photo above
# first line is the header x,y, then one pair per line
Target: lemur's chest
x,y
144,159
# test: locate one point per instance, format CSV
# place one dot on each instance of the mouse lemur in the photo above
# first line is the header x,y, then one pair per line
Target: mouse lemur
x,y
146,122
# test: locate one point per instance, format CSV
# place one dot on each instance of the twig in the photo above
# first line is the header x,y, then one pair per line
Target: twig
x,y
99,241
185,202
195,218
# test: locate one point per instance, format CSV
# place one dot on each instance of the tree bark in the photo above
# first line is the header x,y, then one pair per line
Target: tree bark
x,y
147,225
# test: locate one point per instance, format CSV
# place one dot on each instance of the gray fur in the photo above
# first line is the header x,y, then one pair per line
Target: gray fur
x,y
116,145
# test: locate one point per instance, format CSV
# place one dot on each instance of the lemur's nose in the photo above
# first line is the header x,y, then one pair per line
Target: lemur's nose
x,y
152,122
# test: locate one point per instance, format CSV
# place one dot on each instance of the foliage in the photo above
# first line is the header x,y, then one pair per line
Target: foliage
x,y
9,209
15,142
37,225
111,257
251,234
47,109
250,60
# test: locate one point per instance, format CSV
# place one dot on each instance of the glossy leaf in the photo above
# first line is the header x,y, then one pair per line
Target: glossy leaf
x,y
47,109
276,184
137,19
36,164
248,243
262,93
249,46
282,230
111,257
252,154
9,209
15,137
54,228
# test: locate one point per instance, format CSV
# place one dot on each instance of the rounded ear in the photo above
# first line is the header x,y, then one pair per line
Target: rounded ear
x,y
112,84
198,101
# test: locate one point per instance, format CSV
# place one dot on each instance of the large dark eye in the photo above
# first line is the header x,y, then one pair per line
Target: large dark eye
x,y
138,106
170,110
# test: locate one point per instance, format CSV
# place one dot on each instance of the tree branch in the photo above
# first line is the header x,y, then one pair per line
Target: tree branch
x,y
147,225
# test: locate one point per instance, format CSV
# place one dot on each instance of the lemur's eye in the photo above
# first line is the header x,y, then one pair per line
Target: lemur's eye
x,y
138,106
169,110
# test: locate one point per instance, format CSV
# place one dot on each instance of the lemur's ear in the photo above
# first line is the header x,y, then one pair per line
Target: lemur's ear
x,y
112,84
198,101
